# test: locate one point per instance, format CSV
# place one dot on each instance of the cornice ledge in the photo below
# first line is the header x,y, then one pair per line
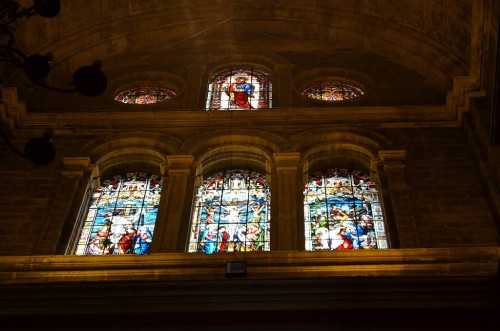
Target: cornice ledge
x,y
11,109
458,100
392,157
419,262
76,166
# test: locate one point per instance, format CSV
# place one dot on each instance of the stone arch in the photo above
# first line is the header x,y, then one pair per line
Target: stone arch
x,y
147,78
213,63
205,67
356,150
345,145
119,153
219,153
323,75
341,155
225,149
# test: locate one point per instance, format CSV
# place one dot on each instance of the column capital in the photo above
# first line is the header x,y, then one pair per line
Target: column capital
x,y
180,161
392,158
77,166
287,158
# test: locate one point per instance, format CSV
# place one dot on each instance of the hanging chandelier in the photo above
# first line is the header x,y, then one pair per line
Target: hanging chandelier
x,y
88,80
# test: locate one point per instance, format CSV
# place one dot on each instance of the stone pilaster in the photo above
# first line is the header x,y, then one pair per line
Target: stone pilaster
x,y
175,205
397,199
287,212
63,224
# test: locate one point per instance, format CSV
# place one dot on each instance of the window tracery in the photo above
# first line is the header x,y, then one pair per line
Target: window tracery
x,y
145,95
343,211
239,89
332,92
122,215
231,213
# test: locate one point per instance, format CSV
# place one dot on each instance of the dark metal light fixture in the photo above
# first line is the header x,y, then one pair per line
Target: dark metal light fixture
x,y
88,80
38,150
47,8
44,8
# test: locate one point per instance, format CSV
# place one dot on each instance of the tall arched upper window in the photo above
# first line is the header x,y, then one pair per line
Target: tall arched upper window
x,y
342,211
122,215
231,213
239,88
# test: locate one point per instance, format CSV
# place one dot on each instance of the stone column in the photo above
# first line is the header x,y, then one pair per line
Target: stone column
x,y
287,212
64,223
480,27
397,202
171,233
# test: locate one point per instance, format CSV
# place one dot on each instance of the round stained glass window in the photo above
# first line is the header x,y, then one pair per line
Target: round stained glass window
x,y
145,95
332,92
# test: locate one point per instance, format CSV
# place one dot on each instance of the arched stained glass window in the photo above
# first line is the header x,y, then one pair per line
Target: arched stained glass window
x,y
239,88
122,215
342,211
145,95
331,91
231,214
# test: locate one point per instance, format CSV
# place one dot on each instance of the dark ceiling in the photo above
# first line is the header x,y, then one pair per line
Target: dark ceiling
x,y
408,51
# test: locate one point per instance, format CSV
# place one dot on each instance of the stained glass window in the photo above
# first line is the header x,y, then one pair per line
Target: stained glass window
x,y
239,88
231,214
122,215
145,95
330,91
342,211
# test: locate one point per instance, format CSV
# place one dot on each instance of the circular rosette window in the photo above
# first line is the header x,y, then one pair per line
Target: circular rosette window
x,y
332,91
145,95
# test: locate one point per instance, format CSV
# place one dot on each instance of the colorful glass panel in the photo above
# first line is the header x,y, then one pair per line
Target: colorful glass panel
x,y
122,215
231,214
342,211
145,95
239,88
329,91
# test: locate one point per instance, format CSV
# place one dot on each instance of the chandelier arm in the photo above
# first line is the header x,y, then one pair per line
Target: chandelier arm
x,y
5,29
54,89
9,143
26,12
14,50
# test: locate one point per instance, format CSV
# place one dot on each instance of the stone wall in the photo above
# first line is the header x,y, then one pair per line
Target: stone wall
x,y
440,200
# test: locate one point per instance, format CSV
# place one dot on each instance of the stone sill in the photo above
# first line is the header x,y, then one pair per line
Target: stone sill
x,y
422,262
